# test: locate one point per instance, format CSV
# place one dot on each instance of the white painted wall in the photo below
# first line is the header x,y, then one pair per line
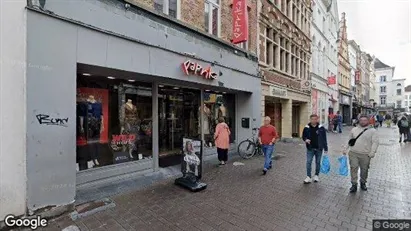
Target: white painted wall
x,y
324,59
407,101
12,107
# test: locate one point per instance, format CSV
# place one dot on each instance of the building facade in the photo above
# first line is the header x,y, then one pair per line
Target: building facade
x,y
352,53
324,58
407,98
390,91
344,73
122,100
284,62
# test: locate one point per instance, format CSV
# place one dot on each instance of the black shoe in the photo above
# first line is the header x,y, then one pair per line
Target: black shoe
x,y
363,187
353,188
264,172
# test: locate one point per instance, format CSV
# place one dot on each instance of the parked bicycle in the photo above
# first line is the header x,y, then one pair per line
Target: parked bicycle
x,y
250,147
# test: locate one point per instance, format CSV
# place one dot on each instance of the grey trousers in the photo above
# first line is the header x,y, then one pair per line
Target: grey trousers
x,y
359,161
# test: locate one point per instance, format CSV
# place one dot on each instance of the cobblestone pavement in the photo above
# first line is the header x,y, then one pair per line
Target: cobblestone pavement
x,y
240,198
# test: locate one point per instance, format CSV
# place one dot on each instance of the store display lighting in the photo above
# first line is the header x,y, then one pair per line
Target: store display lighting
x,y
86,74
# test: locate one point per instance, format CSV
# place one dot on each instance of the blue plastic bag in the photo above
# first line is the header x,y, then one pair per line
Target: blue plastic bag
x,y
325,165
343,169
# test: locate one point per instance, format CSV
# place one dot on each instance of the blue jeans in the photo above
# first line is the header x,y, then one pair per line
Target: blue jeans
x,y
268,153
340,127
310,156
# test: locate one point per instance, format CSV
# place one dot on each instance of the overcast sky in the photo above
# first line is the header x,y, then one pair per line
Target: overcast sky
x,y
382,28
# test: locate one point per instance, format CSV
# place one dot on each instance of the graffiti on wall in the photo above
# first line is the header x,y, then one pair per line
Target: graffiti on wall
x,y
45,119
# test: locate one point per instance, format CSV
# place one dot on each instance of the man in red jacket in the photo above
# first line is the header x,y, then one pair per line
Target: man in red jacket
x,y
267,137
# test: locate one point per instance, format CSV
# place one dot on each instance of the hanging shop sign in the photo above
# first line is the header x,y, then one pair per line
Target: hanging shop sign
x,y
240,21
345,99
357,77
332,80
193,68
275,91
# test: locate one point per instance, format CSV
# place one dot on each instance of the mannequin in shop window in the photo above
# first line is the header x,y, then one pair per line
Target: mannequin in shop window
x,y
206,123
129,122
95,127
222,112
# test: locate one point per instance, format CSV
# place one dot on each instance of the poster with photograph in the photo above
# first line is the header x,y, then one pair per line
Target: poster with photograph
x,y
192,157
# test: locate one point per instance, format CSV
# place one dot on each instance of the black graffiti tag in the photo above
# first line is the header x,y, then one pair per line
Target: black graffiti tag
x,y
47,120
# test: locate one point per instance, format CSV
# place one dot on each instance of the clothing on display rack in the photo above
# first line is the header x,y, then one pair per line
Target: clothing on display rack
x,y
94,120
206,120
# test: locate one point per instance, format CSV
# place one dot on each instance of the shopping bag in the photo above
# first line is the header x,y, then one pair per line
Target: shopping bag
x,y
343,168
325,165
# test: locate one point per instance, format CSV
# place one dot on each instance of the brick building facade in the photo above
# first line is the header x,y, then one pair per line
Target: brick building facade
x,y
284,60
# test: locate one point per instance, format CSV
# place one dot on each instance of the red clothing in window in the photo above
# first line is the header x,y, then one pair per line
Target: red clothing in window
x,y
267,134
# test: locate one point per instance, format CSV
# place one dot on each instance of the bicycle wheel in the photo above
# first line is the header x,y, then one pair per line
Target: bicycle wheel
x,y
246,149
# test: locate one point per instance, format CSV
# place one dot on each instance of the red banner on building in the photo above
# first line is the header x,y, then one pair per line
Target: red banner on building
x,y
240,21
332,80
357,77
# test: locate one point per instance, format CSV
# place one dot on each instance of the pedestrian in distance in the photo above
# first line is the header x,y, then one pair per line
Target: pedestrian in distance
x,y
339,122
222,140
335,123
403,126
408,116
315,137
380,119
373,122
267,137
388,119
362,146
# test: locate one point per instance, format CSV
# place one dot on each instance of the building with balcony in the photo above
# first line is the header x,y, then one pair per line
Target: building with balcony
x,y
284,62
324,60
107,90
344,73
390,91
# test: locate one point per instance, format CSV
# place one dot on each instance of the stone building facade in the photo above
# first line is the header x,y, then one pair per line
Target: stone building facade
x,y
284,60
344,73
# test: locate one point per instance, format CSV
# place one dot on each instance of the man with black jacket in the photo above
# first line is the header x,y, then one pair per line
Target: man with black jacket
x,y
315,138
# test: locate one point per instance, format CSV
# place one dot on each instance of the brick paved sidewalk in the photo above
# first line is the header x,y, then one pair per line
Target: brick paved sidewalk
x,y
239,198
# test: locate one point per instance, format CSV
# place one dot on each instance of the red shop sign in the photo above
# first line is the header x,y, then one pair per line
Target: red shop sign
x,y
332,80
192,68
357,76
240,21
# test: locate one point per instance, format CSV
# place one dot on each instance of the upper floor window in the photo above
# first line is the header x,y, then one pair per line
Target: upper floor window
x,y
399,104
212,16
383,89
383,78
383,100
169,7
398,84
399,91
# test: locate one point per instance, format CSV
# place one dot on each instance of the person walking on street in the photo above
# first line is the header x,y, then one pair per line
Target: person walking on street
x,y
388,120
380,119
267,137
339,121
362,146
403,126
315,137
222,140
409,127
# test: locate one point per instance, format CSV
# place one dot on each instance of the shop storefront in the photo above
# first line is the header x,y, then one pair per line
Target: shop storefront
x,y
288,109
345,108
114,105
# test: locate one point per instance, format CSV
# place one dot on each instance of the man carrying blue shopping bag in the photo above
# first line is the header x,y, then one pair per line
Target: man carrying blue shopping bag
x,y
315,138
363,144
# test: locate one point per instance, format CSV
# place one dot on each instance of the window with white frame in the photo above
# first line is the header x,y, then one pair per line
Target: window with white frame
x,y
383,89
383,78
383,100
398,103
399,91
212,16
168,7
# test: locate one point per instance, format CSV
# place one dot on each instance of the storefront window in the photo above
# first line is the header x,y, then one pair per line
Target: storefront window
x,y
113,121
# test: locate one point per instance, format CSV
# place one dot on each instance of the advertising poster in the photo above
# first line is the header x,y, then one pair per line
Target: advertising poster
x,y
192,157
101,96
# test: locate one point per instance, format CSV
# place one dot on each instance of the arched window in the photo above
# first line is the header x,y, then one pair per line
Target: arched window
x,y
398,84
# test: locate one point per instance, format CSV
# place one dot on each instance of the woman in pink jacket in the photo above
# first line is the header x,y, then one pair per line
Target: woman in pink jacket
x,y
222,140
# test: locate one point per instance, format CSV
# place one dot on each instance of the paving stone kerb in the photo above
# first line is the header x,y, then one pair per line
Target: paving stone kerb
x,y
239,198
